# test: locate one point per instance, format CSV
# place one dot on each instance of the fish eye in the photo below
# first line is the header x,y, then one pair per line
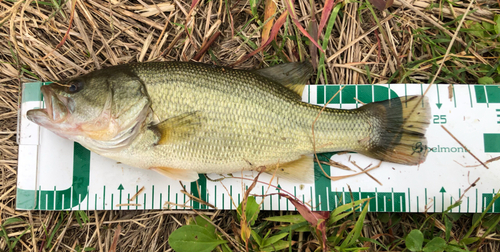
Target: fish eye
x,y
75,86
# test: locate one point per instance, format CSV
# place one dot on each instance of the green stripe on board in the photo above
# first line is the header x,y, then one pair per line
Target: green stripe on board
x,y
73,196
202,183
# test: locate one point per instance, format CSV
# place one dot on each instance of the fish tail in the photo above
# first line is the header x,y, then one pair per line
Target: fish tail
x,y
398,134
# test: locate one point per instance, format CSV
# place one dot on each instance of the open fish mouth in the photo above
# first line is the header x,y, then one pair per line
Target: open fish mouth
x,y
55,109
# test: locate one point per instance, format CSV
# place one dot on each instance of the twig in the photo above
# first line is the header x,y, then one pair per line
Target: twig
x,y
442,126
466,190
137,194
369,175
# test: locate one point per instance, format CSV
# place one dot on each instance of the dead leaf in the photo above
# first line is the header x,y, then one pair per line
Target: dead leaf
x,y
270,11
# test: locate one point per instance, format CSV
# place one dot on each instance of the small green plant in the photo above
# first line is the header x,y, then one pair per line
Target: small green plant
x,y
198,235
11,241
339,230
427,240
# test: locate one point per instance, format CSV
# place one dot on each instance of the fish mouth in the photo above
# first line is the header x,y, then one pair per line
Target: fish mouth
x,y
55,110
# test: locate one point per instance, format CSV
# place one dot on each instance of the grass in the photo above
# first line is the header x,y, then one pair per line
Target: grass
x,y
402,44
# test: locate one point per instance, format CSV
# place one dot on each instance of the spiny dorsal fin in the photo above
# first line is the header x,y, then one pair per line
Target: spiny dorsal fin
x,y
291,75
178,127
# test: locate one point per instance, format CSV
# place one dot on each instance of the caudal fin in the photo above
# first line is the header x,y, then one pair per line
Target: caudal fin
x,y
399,136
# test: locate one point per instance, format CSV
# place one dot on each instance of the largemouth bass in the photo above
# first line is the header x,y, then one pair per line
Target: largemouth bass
x,y
181,119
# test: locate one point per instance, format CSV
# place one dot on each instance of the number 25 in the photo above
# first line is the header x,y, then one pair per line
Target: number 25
x,y
439,119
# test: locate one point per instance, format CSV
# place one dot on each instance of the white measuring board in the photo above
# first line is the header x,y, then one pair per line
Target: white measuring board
x,y
57,174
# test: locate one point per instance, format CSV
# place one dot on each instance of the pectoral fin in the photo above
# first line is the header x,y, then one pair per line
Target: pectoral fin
x,y
177,174
179,127
291,75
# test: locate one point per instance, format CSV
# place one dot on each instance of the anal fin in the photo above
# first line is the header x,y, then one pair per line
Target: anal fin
x,y
177,174
300,170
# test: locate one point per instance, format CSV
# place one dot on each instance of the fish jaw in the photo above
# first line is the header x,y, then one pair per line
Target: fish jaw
x,y
55,113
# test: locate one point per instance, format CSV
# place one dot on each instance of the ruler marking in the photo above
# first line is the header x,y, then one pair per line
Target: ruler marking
x,y
373,93
418,208
425,198
160,207
39,198
324,95
476,200
451,203
80,200
152,196
409,198
279,202
406,96
392,196
470,97
263,199
327,199
343,196
312,199
128,197
434,203
95,202
215,196
340,103
319,202
486,96
54,199
308,93
144,201
137,197
104,197
356,95
271,202
71,199
112,201
467,204
303,199
88,197
459,195
231,193
454,96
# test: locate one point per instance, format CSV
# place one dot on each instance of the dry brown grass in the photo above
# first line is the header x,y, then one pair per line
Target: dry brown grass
x,y
51,42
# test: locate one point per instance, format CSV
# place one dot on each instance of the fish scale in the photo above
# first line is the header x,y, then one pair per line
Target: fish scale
x,y
233,95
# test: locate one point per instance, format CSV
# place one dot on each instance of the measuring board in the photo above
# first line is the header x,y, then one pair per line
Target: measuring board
x,y
57,174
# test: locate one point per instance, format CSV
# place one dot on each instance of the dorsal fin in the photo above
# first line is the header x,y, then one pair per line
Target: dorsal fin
x,y
291,75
